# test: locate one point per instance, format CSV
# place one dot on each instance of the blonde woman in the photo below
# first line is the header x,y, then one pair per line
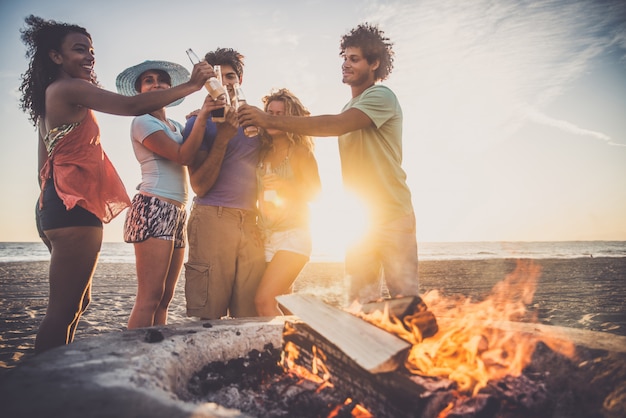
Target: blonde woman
x,y
288,180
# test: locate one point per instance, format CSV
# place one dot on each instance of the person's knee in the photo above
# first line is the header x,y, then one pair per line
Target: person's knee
x,y
152,303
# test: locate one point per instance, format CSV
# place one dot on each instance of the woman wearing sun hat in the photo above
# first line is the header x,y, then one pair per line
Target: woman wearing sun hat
x,y
156,220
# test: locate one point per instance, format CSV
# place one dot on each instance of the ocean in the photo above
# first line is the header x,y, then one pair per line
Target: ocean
x,y
120,252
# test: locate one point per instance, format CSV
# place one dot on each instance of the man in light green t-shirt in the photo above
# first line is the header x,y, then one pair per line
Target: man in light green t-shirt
x,y
369,128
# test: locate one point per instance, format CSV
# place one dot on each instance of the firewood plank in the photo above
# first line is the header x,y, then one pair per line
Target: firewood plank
x,y
370,347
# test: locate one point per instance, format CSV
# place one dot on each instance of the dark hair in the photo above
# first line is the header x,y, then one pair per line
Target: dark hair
x,y
41,37
226,56
374,46
162,73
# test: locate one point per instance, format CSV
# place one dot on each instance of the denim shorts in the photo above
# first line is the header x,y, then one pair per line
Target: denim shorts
x,y
293,240
151,217
53,214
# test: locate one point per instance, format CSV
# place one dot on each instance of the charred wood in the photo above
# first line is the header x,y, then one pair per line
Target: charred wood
x,y
411,310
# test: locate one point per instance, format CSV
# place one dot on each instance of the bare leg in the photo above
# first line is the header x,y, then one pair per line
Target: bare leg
x,y
84,305
153,258
176,265
277,280
73,260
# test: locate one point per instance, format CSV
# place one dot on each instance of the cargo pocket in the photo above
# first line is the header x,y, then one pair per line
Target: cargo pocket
x,y
196,284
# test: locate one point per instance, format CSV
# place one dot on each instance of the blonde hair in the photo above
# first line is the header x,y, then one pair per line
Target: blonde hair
x,y
293,107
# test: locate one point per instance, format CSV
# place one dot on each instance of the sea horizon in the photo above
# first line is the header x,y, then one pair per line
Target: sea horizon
x,y
121,252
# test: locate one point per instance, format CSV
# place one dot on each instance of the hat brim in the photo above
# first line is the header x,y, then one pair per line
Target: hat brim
x,y
125,81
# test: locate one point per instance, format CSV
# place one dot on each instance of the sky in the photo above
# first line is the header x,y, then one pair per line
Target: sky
x,y
514,111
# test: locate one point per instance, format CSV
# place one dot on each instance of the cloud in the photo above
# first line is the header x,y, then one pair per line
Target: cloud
x,y
470,70
538,117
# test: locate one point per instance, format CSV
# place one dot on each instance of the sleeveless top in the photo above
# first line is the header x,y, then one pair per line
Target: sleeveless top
x,y
83,174
280,213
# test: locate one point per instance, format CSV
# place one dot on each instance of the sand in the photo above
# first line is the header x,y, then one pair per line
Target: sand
x,y
584,293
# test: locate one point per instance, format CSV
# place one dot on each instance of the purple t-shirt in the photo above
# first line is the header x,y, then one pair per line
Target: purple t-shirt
x,y
235,186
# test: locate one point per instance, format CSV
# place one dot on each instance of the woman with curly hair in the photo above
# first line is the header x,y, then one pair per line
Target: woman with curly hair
x,y
80,189
288,180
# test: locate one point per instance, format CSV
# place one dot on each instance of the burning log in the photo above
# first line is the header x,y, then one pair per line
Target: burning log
x,y
339,346
410,310
383,394
372,348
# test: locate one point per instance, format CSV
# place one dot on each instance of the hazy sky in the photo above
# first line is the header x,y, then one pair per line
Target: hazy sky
x,y
514,111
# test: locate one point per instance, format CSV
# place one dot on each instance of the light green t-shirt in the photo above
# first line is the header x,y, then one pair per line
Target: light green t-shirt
x,y
371,158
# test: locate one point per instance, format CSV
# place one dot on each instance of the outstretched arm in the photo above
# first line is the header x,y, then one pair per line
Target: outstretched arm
x,y
324,125
69,95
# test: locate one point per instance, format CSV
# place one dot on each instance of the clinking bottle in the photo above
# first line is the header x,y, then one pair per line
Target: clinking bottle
x,y
240,98
218,115
213,85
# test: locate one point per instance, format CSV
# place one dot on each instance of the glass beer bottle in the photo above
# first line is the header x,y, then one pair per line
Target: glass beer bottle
x,y
240,98
213,85
219,115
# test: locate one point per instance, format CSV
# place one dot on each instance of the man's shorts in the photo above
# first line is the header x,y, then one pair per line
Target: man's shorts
x,y
294,240
53,214
150,216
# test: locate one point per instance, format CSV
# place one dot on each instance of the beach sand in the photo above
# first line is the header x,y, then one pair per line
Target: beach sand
x,y
584,293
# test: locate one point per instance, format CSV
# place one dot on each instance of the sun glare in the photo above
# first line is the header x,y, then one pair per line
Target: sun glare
x,y
337,220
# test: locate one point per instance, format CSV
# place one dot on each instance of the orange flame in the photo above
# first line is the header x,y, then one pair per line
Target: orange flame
x,y
318,374
290,355
469,347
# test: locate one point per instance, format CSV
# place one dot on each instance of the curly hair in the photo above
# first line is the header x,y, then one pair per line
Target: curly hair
x,y
226,56
374,46
293,107
40,37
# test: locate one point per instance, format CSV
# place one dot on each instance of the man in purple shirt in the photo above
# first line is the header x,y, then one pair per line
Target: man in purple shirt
x,y
226,259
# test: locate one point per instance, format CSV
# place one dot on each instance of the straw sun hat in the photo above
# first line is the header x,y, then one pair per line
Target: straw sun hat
x,y
125,81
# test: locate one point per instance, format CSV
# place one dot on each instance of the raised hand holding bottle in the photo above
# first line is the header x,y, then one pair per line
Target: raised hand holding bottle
x,y
240,98
214,87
